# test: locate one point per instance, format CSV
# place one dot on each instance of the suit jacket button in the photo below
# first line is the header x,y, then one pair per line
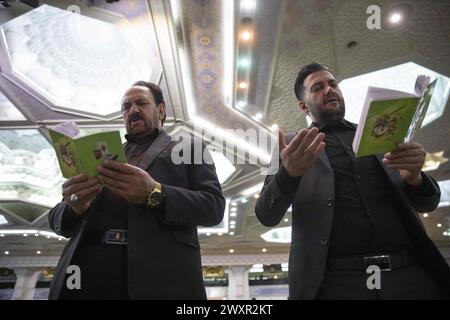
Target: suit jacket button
x,y
271,200
330,202
324,241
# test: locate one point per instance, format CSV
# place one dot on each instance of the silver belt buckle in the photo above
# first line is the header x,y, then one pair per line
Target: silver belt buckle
x,y
383,262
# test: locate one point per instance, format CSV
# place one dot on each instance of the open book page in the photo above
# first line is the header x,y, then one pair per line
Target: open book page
x,y
421,84
69,129
421,110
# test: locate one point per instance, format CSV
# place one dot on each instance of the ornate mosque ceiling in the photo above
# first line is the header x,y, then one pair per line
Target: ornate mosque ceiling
x,y
197,51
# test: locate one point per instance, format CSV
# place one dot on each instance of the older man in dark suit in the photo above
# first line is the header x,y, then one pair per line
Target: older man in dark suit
x,y
351,213
136,237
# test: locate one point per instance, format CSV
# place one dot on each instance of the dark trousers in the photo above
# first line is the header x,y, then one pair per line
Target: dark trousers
x,y
103,273
410,283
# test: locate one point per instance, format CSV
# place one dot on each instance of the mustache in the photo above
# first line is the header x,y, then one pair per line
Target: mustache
x,y
332,96
135,117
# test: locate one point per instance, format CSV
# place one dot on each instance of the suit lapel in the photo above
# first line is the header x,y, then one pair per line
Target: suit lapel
x,y
161,142
323,156
393,174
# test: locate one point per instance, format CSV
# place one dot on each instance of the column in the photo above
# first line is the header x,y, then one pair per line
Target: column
x,y
238,287
26,283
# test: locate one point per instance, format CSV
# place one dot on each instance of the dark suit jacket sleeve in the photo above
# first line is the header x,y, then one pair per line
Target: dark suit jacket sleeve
x,y
63,221
202,204
276,195
426,197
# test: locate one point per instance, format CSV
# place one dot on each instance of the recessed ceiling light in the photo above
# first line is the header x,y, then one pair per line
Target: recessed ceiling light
x,y
439,225
231,233
231,251
234,209
256,195
233,204
244,62
6,252
258,116
274,126
233,214
243,85
36,234
219,234
233,226
232,222
244,200
208,234
264,250
241,104
286,220
397,15
425,215
395,18
25,235
246,35
38,252
2,235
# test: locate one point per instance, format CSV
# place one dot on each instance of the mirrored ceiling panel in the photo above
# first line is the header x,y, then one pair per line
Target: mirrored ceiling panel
x,y
78,64
8,111
26,211
29,170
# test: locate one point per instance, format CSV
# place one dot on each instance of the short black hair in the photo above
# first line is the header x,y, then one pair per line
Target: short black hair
x,y
156,91
304,72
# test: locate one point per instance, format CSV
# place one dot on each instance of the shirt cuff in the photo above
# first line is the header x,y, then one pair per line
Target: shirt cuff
x,y
70,218
424,189
285,182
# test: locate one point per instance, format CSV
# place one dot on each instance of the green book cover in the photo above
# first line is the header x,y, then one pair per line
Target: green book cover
x,y
84,154
386,125
391,117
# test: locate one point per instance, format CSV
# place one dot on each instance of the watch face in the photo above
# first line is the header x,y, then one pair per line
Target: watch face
x,y
155,198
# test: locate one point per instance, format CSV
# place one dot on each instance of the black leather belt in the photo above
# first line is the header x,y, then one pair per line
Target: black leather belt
x,y
115,236
386,262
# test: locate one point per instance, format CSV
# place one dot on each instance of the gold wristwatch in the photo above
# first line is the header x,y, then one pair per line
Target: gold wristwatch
x,y
155,197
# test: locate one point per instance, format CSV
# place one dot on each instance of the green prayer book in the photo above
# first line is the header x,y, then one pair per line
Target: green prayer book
x,y
391,117
78,155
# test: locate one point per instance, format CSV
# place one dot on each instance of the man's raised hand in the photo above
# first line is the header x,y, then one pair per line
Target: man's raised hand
x,y
302,152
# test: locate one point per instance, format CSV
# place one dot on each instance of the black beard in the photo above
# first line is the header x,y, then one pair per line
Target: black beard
x,y
329,116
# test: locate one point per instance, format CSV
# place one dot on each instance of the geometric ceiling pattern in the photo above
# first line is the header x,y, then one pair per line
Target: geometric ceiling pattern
x,y
195,50
76,63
